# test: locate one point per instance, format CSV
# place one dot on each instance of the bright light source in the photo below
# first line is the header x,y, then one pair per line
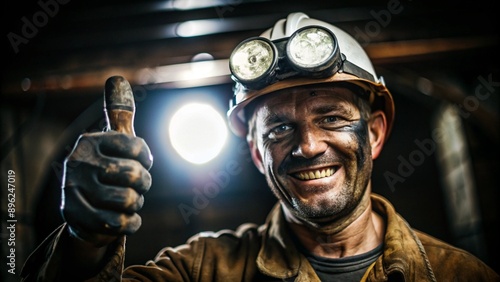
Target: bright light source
x,y
197,132
198,28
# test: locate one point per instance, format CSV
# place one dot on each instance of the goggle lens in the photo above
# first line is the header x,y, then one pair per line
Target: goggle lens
x,y
311,48
252,59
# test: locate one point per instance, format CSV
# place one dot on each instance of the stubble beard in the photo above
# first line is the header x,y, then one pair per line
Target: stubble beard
x,y
326,209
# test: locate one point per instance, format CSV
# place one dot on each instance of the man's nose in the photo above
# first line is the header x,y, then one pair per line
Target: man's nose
x,y
310,142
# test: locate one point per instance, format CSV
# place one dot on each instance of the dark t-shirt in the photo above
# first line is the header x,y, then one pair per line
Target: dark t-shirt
x,y
343,269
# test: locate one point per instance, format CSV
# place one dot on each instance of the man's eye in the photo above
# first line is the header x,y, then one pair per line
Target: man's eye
x,y
279,130
331,119
334,122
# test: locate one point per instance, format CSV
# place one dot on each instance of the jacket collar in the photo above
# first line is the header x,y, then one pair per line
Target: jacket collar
x,y
278,256
403,252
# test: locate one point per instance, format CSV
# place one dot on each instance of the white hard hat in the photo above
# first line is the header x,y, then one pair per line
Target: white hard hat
x,y
356,68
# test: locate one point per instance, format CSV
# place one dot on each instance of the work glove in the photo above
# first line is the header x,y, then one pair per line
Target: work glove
x,y
107,173
105,177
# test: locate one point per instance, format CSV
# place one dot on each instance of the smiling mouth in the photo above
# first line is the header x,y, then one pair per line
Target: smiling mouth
x,y
315,174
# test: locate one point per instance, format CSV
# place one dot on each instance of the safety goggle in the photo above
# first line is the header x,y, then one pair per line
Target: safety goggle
x,y
311,51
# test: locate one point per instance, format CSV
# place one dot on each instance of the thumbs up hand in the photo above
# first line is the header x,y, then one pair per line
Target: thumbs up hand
x,y
107,173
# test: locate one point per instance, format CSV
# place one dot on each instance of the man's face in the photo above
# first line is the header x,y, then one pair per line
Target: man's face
x,y
313,146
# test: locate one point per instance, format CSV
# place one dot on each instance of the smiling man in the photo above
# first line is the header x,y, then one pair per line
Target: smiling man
x,y
313,144
315,116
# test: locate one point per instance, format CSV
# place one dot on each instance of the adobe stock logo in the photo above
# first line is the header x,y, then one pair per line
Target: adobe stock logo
x,y
381,20
426,147
30,28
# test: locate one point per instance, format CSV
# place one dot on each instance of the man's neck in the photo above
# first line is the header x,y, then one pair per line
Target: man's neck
x,y
364,232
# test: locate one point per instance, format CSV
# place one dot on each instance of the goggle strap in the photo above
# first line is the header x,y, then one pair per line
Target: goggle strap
x,y
353,69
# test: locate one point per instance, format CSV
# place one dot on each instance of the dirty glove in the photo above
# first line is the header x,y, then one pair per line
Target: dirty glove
x,y
105,177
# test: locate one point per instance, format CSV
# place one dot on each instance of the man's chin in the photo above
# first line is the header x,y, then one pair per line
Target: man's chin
x,y
320,214
315,215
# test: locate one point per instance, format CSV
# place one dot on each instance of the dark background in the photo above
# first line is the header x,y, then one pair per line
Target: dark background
x,y
430,54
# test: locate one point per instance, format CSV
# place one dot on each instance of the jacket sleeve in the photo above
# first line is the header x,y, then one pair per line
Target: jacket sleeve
x,y
207,256
46,262
171,264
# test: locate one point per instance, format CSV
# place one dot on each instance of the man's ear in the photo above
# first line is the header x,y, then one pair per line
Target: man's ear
x,y
377,127
256,156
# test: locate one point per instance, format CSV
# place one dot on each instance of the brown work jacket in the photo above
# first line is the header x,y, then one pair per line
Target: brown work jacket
x,y
267,253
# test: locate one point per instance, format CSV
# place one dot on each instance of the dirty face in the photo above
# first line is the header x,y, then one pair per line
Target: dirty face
x,y
312,144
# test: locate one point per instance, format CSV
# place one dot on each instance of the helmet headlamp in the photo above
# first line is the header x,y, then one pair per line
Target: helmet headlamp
x,y
311,51
253,60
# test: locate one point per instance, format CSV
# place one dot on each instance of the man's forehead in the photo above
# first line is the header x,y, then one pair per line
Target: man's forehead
x,y
303,93
338,91
326,89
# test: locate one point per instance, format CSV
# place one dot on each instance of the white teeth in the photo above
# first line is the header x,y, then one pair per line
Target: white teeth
x,y
316,174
